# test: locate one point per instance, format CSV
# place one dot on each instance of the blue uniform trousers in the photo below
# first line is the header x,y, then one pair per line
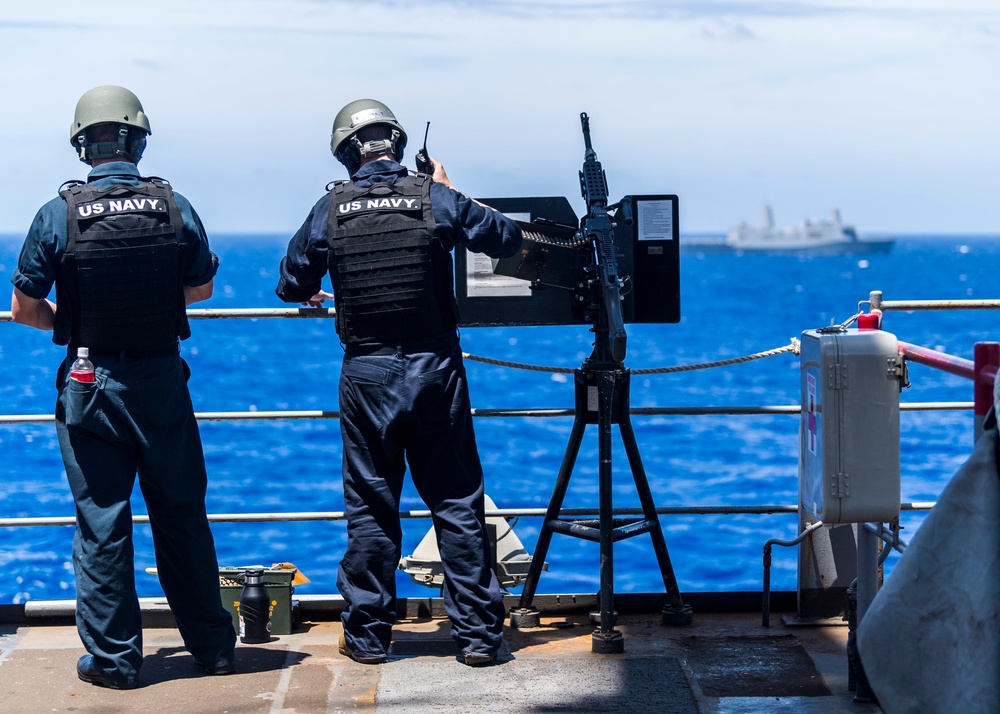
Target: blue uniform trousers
x,y
137,418
413,408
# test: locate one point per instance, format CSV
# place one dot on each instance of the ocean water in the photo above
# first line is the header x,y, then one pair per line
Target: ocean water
x,y
732,305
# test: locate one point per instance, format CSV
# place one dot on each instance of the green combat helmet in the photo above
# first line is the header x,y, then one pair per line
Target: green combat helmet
x,y
110,105
346,146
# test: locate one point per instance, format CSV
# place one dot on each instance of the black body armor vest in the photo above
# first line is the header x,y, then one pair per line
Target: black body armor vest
x,y
392,279
119,285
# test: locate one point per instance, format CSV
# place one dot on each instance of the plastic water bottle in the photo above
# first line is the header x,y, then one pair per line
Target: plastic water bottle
x,y
82,369
255,608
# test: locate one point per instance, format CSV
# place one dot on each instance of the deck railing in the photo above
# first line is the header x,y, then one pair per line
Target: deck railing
x,y
982,370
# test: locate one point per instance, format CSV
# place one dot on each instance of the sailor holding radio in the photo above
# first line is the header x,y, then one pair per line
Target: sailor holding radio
x,y
385,237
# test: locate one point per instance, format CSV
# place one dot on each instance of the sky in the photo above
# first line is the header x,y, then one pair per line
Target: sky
x,y
889,111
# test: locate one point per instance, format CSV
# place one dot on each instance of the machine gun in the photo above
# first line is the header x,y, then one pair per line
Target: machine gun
x,y
580,259
609,327
602,391
619,263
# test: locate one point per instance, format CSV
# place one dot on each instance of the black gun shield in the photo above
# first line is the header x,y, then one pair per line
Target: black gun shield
x,y
546,306
649,259
650,248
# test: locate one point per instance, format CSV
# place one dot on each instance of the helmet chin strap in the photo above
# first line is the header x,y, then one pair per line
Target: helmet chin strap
x,y
374,148
112,149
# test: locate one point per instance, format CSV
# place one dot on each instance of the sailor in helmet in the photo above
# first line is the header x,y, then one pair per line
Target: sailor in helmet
x,y
385,237
126,255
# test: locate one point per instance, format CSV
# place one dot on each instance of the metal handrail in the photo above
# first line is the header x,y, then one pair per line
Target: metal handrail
x,y
877,303
958,366
535,413
886,305
291,516
244,312
875,299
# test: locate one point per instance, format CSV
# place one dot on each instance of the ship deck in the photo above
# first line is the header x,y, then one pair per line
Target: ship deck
x,y
723,663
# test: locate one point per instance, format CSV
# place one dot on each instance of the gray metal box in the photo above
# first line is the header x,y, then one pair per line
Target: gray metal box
x,y
849,433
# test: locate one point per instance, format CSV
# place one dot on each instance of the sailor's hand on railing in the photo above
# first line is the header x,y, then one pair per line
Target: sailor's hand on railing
x,y
317,299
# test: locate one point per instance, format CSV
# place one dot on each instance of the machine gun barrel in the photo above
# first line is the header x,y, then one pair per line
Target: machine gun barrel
x,y
598,228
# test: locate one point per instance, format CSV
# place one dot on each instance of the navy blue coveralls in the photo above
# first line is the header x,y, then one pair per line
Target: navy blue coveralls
x,y
136,418
409,403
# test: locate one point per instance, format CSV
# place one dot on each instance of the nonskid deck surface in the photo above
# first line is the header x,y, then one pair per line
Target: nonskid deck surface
x,y
722,664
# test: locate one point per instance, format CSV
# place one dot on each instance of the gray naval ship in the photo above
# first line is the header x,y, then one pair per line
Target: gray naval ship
x,y
829,236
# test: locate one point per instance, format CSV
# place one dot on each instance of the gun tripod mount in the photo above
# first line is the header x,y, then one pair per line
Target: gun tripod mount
x,y
602,398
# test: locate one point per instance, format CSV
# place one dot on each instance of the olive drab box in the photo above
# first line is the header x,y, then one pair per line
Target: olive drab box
x,y
849,432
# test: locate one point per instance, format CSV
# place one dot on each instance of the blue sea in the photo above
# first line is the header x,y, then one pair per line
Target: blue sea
x,y
732,305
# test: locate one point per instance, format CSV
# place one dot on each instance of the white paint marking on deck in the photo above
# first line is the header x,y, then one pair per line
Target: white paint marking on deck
x,y
9,642
277,705
338,671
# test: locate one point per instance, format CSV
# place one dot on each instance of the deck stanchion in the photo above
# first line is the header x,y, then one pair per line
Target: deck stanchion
x,y
985,358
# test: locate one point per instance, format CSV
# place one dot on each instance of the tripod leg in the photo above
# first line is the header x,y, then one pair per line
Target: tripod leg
x,y
608,639
525,615
676,612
